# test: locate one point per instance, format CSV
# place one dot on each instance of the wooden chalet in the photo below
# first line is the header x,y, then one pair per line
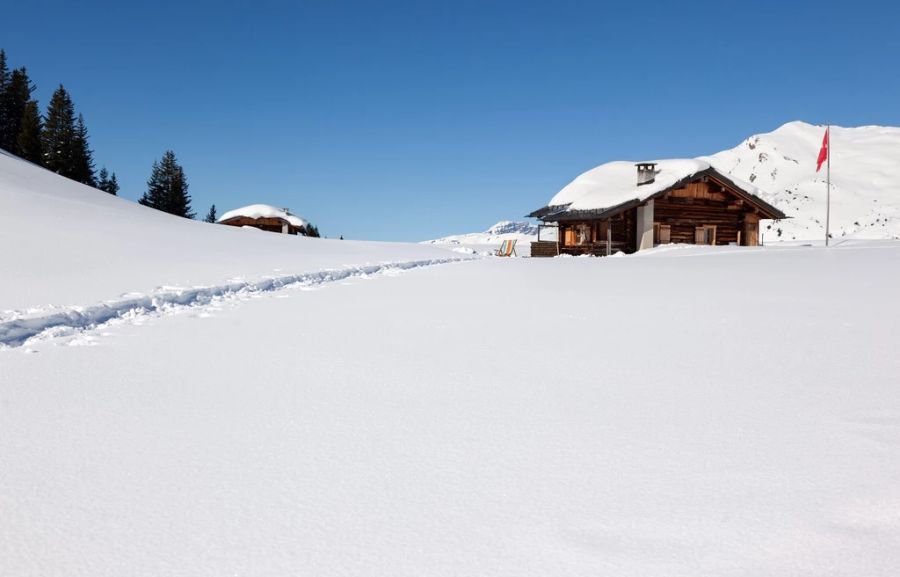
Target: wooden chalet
x,y
620,206
265,217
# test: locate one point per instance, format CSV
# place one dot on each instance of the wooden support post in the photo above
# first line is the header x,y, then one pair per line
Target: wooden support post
x,y
608,238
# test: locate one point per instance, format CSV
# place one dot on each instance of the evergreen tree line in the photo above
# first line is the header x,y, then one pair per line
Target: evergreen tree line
x,y
57,140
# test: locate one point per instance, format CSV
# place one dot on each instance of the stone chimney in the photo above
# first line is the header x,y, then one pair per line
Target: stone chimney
x,y
646,172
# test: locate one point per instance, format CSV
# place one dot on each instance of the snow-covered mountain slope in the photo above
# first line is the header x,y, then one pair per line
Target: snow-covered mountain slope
x,y
865,178
63,243
503,230
485,243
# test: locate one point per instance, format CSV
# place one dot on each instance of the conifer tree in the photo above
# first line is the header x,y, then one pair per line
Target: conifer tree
x,y
211,215
167,189
155,196
4,80
82,156
312,231
59,133
15,98
107,183
113,186
29,140
102,179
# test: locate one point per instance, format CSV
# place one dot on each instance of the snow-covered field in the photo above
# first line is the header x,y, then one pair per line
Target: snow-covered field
x,y
378,409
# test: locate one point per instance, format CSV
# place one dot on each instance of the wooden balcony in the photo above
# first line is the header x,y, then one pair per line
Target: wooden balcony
x,y
544,248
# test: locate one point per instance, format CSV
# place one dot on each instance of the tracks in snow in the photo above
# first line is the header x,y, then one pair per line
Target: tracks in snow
x,y
17,328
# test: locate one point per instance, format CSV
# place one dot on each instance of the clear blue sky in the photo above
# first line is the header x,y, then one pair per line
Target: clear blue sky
x,y
411,120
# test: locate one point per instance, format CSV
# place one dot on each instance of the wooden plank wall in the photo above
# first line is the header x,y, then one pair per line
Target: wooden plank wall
x,y
684,217
630,233
700,203
543,248
264,223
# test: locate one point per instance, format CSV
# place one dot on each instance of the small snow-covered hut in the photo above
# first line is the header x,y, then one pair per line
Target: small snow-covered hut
x,y
626,206
265,217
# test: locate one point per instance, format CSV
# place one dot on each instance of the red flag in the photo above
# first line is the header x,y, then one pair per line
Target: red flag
x,y
823,152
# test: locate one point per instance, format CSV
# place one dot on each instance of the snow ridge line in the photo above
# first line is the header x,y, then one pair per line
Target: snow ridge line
x,y
15,332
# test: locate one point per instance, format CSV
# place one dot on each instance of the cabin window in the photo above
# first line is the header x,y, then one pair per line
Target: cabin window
x,y
662,233
583,234
705,234
579,234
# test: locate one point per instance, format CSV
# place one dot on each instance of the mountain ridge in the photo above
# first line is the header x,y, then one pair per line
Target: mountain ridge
x,y
865,180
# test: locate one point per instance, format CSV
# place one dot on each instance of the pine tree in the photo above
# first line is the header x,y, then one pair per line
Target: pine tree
x,y
167,189
113,186
4,69
4,80
59,133
15,96
29,140
82,156
154,197
312,231
107,183
211,215
102,179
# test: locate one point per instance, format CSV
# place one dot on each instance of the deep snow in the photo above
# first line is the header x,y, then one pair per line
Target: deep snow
x,y
255,404
744,421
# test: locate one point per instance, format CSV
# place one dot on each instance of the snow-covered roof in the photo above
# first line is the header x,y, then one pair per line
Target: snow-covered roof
x,y
614,183
264,211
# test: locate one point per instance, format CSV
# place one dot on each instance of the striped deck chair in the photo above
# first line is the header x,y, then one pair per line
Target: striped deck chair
x,y
507,248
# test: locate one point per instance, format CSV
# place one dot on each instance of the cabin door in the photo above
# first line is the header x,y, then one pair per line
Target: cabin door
x,y
751,230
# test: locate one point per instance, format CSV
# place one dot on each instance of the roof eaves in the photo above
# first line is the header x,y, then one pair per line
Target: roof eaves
x,y
595,213
548,210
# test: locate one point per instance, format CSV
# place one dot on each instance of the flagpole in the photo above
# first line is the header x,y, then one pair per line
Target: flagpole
x,y
828,186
